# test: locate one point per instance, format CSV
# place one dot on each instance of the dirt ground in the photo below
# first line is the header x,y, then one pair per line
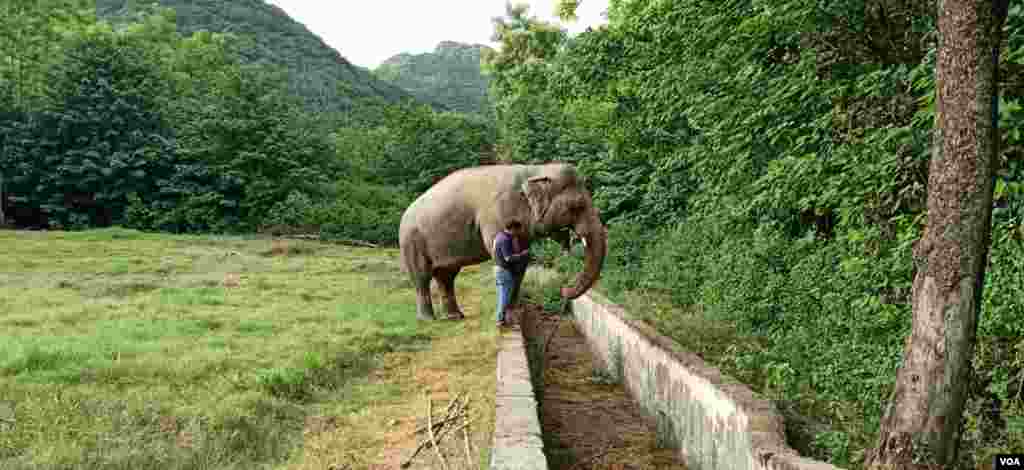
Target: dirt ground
x,y
589,423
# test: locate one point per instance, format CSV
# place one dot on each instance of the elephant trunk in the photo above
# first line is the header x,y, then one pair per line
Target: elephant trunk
x,y
595,237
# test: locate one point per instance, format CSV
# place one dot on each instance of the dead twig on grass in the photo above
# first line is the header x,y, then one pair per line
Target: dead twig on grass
x,y
457,405
351,242
579,464
426,443
430,432
437,430
465,439
551,335
339,241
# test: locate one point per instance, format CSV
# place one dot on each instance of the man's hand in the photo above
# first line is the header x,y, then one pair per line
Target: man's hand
x,y
566,292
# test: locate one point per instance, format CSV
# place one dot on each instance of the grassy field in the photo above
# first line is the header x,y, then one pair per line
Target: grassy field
x,y
120,349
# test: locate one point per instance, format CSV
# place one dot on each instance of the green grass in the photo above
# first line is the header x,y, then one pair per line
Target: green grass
x,y
121,349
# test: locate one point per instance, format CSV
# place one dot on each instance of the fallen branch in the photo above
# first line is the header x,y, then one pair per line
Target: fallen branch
x,y
349,241
465,439
456,409
554,329
426,443
315,237
588,460
430,432
449,415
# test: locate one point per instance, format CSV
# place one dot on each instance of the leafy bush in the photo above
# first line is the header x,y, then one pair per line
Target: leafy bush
x,y
995,410
104,136
355,211
413,147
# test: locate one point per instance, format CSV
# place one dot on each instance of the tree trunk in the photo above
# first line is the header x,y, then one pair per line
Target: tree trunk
x,y
922,424
3,200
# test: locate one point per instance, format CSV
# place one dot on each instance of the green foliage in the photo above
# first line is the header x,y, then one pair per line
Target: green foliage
x,y
413,146
407,150
764,164
995,411
158,131
30,41
349,210
244,149
450,75
103,139
566,9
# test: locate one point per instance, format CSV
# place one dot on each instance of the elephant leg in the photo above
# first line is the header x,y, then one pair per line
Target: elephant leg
x,y
418,265
446,279
424,307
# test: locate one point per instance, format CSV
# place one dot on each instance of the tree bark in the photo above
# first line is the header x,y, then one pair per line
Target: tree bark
x,y
3,201
922,423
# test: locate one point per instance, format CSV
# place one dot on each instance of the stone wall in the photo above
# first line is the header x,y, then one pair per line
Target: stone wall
x,y
716,422
517,433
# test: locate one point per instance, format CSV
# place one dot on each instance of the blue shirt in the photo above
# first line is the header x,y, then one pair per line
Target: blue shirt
x,y
504,253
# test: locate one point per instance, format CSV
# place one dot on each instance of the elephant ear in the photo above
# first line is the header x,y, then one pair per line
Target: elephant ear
x,y
538,194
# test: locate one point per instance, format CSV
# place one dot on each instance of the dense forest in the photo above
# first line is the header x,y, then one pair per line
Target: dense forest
x,y
139,124
762,166
450,76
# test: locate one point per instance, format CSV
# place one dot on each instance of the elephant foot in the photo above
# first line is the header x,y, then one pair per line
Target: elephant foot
x,y
424,314
456,315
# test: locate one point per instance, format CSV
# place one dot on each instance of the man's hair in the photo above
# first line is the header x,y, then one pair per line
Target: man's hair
x,y
513,225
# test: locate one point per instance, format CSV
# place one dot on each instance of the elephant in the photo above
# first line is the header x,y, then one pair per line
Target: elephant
x,y
453,224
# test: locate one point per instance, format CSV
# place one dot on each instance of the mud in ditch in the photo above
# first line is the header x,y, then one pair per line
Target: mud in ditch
x,y
588,420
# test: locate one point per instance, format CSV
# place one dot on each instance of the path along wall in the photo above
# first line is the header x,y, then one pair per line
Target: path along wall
x,y
517,433
716,422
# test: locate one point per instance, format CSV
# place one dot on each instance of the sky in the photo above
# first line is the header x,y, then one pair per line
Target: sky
x,y
368,32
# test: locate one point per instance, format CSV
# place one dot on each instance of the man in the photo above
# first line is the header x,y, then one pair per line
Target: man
x,y
511,257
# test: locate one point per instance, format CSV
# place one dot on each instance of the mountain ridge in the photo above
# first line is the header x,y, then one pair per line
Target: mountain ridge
x,y
449,75
320,74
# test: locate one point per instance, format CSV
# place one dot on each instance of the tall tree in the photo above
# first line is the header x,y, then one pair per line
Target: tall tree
x,y
526,41
30,32
922,424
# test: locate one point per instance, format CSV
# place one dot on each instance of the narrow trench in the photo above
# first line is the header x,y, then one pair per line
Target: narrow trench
x,y
587,418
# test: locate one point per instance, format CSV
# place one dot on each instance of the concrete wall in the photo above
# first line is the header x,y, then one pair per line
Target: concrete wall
x,y
517,433
716,422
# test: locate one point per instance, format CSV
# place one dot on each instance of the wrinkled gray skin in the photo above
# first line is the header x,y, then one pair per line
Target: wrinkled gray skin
x,y
454,223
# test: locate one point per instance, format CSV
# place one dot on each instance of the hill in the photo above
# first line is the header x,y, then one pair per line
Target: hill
x,y
319,74
450,76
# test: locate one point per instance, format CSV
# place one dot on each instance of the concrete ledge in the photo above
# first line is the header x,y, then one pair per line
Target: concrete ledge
x,y
716,422
517,433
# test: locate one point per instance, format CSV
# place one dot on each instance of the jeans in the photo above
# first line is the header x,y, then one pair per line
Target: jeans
x,y
506,282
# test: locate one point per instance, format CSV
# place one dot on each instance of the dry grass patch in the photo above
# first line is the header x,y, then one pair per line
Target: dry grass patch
x,y
381,434
121,349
